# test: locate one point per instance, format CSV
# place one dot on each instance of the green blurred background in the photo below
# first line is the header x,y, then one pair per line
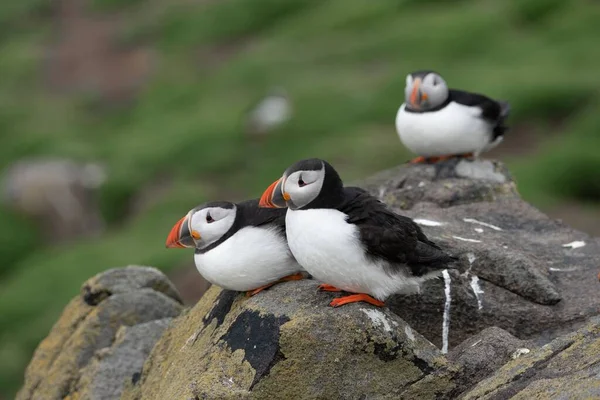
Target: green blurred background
x,y
172,80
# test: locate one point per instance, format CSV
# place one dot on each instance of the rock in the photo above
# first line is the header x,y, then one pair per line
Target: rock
x,y
566,368
105,376
521,271
59,195
73,361
125,280
287,343
482,354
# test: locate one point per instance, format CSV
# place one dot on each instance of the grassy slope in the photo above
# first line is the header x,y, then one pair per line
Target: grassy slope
x,y
343,61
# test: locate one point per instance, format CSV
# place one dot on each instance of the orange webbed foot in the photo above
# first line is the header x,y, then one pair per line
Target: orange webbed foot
x,y
293,277
354,298
328,288
418,160
251,293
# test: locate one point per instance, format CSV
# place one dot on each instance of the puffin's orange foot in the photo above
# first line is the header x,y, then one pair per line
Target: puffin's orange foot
x,y
294,277
354,298
418,160
465,155
328,288
251,293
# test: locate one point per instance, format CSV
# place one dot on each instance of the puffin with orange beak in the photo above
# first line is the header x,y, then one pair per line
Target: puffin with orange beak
x,y
438,123
348,239
239,246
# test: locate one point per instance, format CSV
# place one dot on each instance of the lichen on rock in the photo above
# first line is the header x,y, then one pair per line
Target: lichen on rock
x,y
70,358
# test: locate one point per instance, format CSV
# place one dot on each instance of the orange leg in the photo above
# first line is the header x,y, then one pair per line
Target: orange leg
x,y
418,160
294,277
432,160
340,301
328,288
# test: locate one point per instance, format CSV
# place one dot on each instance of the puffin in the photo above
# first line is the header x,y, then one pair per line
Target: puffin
x,y
438,123
348,239
271,112
238,246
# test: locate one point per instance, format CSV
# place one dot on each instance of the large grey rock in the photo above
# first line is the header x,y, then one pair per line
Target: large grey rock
x,y
565,369
482,354
521,271
288,343
106,375
69,362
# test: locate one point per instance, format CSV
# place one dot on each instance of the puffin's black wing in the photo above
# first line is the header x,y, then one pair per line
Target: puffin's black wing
x,y
395,238
492,110
253,215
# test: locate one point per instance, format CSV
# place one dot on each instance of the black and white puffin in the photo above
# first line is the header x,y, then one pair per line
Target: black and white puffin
x,y
349,240
437,123
239,246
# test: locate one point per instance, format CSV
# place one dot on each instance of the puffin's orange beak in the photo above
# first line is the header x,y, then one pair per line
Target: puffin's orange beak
x,y
415,95
273,196
180,236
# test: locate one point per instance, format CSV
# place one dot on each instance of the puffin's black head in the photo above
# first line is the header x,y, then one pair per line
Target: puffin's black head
x,y
425,90
311,183
203,225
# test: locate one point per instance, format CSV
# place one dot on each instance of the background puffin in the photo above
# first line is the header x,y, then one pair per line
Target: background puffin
x,y
238,246
348,239
438,123
270,113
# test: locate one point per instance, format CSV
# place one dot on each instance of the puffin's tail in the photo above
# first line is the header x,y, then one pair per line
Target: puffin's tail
x,y
501,127
504,109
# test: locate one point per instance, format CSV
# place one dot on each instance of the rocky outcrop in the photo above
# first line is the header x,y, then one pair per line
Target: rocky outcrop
x,y
522,271
286,343
486,331
566,368
103,336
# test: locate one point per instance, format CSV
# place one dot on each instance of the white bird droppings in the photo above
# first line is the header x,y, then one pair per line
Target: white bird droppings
x,y
409,333
474,221
477,291
466,239
421,184
427,222
446,321
563,270
575,245
471,258
378,319
519,352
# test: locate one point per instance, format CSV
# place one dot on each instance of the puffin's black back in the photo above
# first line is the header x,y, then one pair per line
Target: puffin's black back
x,y
392,237
250,214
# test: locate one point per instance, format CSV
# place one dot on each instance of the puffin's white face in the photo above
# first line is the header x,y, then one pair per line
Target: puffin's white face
x,y
425,93
202,227
208,225
302,187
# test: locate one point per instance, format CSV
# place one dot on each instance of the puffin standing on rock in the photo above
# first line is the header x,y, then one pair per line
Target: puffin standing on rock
x,y
239,246
438,123
348,239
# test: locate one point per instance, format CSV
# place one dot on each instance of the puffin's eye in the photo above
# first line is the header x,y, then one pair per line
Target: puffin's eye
x,y
301,182
209,219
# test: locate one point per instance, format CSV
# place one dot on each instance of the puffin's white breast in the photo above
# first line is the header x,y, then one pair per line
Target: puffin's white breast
x,y
329,248
455,129
252,257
